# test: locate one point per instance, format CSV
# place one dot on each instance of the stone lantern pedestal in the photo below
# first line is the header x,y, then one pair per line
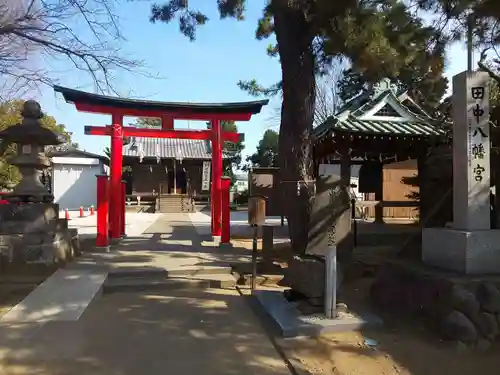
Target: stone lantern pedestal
x,y
30,228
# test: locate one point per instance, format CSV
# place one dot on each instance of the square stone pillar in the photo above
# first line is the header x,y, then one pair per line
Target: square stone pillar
x,y
471,151
470,246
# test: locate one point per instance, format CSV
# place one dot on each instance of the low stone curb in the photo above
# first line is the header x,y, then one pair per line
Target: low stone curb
x,y
291,323
297,367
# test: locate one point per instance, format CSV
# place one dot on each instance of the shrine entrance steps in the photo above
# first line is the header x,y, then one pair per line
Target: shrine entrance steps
x,y
175,203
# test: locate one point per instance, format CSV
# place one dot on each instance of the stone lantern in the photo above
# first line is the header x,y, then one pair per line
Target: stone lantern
x,y
30,138
30,228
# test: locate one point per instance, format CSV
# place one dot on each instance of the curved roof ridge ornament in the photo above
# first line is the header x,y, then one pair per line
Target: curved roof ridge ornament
x,y
382,86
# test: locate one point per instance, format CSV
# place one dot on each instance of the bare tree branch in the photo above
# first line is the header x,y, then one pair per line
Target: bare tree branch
x,y
327,94
328,99
34,33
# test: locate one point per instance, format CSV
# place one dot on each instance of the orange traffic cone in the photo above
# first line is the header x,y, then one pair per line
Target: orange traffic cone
x,y
67,214
81,211
92,209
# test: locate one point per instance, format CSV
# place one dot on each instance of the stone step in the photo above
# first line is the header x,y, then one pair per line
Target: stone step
x,y
261,280
197,271
174,211
152,272
142,284
137,272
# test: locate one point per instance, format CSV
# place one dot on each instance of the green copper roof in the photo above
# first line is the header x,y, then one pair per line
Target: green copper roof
x,y
353,125
363,115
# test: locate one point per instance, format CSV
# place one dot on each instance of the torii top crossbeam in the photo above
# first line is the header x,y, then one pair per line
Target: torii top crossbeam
x,y
167,112
95,103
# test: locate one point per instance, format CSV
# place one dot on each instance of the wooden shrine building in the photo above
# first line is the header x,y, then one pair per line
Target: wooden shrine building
x,y
165,174
373,131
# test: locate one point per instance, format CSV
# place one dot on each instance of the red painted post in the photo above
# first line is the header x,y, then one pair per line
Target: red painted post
x,y
212,204
124,200
216,175
81,211
115,201
226,211
91,210
102,211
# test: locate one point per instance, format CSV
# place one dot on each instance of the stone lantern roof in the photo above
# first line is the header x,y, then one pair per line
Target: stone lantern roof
x,y
30,130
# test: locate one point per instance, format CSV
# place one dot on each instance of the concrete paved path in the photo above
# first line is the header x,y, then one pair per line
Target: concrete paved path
x,y
66,327
135,223
60,330
166,242
210,332
171,242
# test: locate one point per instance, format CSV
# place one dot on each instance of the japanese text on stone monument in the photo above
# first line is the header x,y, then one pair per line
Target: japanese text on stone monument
x,y
478,130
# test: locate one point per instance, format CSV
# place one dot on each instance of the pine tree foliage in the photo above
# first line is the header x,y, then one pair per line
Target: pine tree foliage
x,y
267,151
380,38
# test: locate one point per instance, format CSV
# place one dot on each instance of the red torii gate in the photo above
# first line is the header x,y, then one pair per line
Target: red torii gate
x,y
167,112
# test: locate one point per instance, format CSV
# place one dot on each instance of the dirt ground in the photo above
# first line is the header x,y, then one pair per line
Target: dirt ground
x,y
16,283
399,348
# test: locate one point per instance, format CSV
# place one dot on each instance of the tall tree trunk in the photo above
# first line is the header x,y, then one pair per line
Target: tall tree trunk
x,y
297,115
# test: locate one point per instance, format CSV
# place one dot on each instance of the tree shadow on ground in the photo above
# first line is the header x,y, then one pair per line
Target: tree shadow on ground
x,y
404,345
401,346
171,242
185,332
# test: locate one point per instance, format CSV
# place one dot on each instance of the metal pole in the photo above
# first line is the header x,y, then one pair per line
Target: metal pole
x,y
354,223
331,282
254,257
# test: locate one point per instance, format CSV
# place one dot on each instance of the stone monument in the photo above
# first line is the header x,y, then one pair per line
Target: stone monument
x,y
470,246
30,228
330,213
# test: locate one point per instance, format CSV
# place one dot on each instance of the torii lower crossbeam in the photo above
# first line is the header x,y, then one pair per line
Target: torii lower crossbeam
x,y
129,131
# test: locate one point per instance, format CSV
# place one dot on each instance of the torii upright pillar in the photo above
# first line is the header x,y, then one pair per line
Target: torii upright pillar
x,y
215,193
115,181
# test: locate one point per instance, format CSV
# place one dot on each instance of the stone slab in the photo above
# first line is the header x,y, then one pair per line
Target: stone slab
x,y
330,216
131,271
62,297
292,324
468,252
138,284
199,270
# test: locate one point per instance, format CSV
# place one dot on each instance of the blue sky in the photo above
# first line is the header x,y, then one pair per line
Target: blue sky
x,y
206,70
